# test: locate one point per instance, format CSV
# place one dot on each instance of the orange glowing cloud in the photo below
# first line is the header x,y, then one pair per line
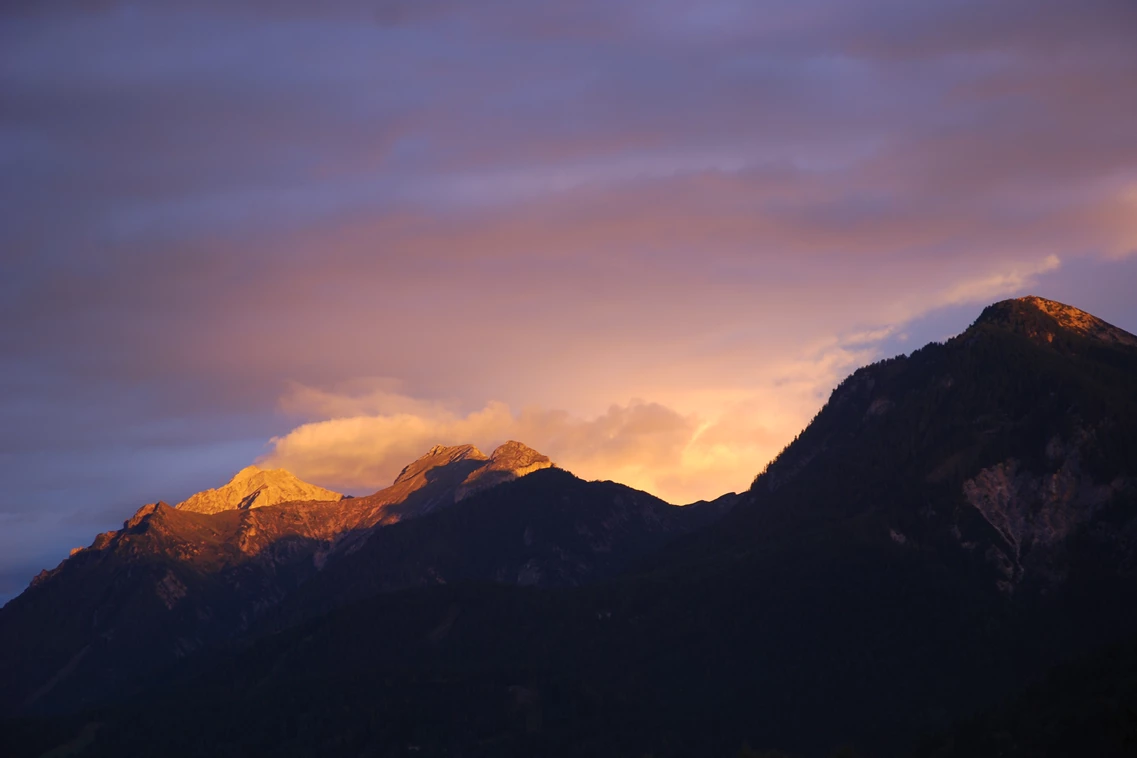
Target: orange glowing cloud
x,y
699,437
646,445
368,429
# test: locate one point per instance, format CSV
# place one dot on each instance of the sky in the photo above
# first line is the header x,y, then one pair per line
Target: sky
x,y
645,237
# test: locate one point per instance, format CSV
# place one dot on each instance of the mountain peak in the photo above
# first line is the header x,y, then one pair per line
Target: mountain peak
x,y
512,452
246,473
142,513
510,460
1041,319
254,487
455,472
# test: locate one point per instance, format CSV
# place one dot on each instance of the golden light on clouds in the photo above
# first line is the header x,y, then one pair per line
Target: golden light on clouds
x,y
693,445
683,443
678,456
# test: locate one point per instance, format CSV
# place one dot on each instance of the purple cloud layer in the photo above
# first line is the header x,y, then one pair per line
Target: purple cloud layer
x,y
580,213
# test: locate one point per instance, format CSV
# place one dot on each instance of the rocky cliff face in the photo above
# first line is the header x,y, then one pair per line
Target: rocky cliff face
x,y
446,475
508,462
1033,513
255,487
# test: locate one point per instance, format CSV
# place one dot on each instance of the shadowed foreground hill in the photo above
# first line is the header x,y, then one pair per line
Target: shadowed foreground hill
x,y
951,525
549,529
1085,707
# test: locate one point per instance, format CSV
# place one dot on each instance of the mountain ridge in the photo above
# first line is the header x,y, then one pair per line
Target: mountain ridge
x,y
174,580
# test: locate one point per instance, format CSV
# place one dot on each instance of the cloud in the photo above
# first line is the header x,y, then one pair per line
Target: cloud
x,y
718,207
367,430
998,285
634,441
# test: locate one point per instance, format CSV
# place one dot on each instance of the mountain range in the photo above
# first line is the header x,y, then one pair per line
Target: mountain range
x,y
951,526
177,579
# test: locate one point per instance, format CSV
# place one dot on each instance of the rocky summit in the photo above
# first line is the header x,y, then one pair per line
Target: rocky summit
x,y
1043,320
448,474
254,487
506,463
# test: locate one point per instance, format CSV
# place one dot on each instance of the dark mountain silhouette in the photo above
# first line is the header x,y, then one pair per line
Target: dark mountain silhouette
x,y
549,529
950,526
1006,447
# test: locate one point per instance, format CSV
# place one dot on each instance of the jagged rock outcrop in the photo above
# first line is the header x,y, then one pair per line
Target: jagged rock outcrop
x,y
254,487
508,461
1034,513
447,474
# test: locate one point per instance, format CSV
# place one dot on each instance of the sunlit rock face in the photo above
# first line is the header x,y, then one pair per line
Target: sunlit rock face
x,y
508,462
255,487
445,475
1042,320
439,455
